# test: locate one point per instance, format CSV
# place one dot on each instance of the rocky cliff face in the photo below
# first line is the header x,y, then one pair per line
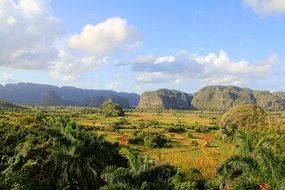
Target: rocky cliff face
x,y
164,99
221,98
269,101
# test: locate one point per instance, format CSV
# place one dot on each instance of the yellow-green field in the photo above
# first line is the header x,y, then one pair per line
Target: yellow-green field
x,y
206,155
204,158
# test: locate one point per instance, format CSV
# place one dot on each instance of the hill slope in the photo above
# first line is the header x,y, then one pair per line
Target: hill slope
x,y
97,101
221,98
34,94
7,105
164,99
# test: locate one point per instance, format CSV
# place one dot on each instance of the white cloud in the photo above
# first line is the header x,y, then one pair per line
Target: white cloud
x,y
32,38
27,35
100,41
266,7
67,66
113,86
11,21
6,77
166,59
113,35
155,77
222,64
208,69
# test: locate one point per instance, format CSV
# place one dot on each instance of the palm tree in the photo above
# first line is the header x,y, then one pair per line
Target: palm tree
x,y
84,158
137,165
141,174
254,164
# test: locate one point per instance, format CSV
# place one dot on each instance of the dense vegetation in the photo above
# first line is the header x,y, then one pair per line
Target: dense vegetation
x,y
51,150
246,118
7,106
53,153
109,109
150,140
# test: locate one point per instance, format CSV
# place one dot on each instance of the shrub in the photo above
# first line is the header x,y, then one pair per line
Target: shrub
x,y
148,124
194,143
109,109
190,135
175,130
244,118
150,140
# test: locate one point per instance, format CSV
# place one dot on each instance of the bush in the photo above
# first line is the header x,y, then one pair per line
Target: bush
x,y
244,118
190,135
194,143
175,130
150,140
148,124
109,109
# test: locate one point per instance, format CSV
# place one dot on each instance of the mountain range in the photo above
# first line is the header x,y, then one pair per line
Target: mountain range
x,y
42,94
214,98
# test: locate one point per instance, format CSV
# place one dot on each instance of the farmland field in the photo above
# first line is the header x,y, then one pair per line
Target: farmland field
x,y
196,143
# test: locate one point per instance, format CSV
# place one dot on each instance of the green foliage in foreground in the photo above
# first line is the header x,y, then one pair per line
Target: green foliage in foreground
x,y
257,162
54,153
141,174
49,151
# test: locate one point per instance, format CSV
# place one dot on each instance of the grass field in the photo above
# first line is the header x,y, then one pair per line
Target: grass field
x,y
197,147
181,153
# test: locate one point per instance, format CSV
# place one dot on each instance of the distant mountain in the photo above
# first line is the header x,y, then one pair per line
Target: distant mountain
x,y
50,98
165,99
97,101
133,98
224,97
121,101
35,94
216,98
269,101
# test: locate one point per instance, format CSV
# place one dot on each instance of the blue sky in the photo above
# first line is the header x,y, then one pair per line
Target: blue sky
x,y
136,45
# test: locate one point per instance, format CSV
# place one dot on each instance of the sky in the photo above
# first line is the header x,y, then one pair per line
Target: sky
x,y
134,46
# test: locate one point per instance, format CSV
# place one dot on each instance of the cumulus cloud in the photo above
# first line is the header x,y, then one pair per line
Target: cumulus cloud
x,y
67,66
113,35
155,77
27,35
6,77
266,7
113,85
208,69
31,37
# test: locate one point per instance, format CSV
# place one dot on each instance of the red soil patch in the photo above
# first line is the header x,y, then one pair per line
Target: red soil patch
x,y
208,137
122,139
